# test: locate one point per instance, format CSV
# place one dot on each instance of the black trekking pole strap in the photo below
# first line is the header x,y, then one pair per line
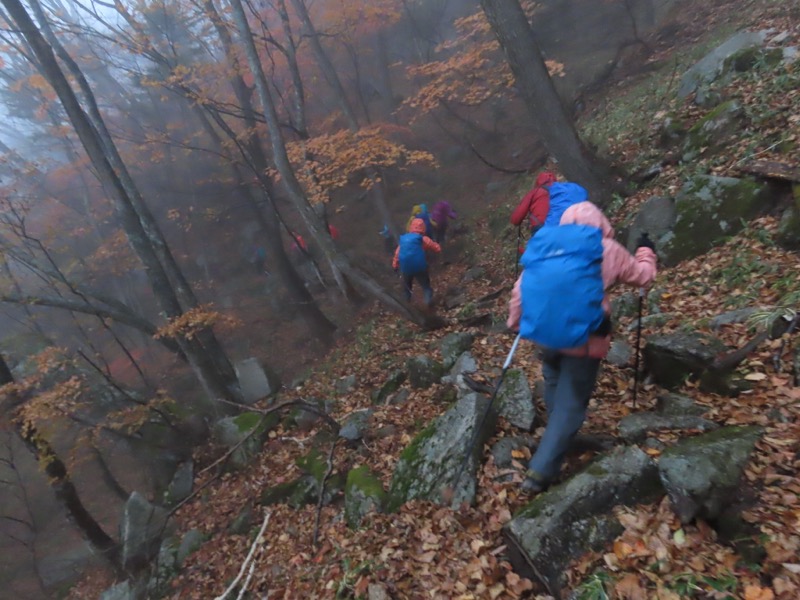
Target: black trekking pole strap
x,y
477,431
516,251
638,343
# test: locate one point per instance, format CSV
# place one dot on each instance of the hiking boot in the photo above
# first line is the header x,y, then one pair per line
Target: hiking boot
x,y
533,485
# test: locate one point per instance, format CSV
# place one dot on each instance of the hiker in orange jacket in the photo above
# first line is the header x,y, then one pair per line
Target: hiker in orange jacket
x,y
410,259
536,203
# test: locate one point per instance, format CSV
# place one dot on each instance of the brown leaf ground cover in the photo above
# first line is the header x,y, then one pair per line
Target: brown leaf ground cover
x,y
426,551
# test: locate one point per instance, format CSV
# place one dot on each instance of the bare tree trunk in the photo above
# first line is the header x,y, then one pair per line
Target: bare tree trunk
x,y
217,380
298,93
294,190
331,76
556,128
62,485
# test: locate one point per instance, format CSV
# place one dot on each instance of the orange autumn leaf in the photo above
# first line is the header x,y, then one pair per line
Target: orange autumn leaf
x,y
754,592
629,588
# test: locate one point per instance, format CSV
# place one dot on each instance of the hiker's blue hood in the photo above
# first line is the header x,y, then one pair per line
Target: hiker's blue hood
x,y
562,196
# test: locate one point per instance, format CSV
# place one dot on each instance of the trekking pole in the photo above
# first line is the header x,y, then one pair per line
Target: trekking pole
x,y
638,342
447,492
516,251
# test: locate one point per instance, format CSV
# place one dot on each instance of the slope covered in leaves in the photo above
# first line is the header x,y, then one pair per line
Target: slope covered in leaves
x,y
429,551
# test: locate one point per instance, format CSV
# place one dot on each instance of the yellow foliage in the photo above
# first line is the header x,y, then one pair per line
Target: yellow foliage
x,y
192,322
329,162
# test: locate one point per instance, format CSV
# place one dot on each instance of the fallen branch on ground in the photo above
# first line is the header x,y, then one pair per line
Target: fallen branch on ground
x,y
246,563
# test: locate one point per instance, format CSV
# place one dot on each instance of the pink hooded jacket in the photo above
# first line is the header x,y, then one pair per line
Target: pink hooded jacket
x,y
618,266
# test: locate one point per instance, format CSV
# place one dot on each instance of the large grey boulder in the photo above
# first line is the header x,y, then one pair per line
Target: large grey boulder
x,y
701,474
710,209
465,364
430,463
256,380
656,217
620,353
575,516
423,371
142,527
454,345
710,66
713,131
515,400
363,494
636,426
672,358
181,485
246,432
355,425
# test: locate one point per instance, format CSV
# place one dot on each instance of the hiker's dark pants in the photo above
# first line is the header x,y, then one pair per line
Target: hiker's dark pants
x,y
568,385
424,282
440,233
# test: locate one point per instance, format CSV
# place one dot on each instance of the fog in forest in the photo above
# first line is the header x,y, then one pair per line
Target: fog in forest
x,y
187,184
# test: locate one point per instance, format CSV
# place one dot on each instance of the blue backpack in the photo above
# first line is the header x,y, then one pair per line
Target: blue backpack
x,y
412,255
562,196
426,217
562,286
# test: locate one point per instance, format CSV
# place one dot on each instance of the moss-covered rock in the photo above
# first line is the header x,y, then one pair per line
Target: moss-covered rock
x,y
575,516
671,359
390,386
701,474
295,493
453,345
423,371
363,493
251,427
432,461
710,209
714,130
747,58
313,463
788,236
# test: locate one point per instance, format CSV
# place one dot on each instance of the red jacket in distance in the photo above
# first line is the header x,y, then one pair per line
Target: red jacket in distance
x,y
536,203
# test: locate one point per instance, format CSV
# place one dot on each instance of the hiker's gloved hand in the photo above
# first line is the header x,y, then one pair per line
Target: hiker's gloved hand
x,y
644,241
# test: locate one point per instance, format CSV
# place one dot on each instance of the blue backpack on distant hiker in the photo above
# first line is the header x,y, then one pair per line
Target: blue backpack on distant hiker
x,y
412,255
562,286
562,196
426,217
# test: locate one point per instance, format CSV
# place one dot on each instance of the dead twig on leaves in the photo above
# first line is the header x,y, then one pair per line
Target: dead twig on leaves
x,y
248,564
321,499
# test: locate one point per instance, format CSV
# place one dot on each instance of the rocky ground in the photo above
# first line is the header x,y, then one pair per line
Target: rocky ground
x,y
427,550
